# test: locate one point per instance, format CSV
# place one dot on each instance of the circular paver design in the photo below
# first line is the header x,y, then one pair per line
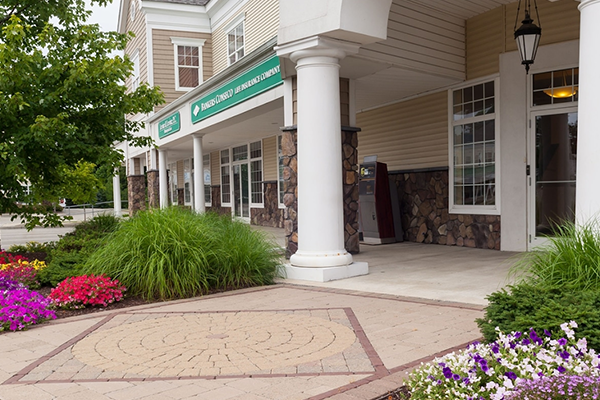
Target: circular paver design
x,y
214,344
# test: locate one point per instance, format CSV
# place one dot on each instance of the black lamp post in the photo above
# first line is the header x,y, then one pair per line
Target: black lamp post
x,y
528,35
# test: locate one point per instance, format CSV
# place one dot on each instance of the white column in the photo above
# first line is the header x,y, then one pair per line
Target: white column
x,y
320,197
117,194
162,179
198,175
588,136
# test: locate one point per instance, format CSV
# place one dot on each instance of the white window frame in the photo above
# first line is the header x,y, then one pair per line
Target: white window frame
x,y
188,42
188,181
173,182
475,209
206,165
262,174
135,75
239,20
228,166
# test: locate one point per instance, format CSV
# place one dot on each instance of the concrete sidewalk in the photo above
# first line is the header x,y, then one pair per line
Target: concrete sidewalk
x,y
271,343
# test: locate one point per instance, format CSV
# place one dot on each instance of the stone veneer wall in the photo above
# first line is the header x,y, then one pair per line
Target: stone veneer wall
x,y
270,215
180,197
350,182
153,188
215,197
425,218
136,193
289,142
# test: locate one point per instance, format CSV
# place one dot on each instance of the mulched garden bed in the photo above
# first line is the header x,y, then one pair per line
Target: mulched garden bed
x,y
401,393
128,301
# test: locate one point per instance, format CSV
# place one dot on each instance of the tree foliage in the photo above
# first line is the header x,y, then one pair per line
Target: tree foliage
x,y
62,100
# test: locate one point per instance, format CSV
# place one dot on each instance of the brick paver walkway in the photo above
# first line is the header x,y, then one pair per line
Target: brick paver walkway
x,y
279,342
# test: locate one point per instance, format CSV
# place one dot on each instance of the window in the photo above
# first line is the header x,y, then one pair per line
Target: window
x,y
188,62
187,181
225,178
235,43
256,183
555,87
473,149
135,75
280,169
206,176
173,182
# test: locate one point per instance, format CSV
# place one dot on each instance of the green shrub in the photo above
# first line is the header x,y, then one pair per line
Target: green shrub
x,y
174,253
526,306
571,258
74,248
32,247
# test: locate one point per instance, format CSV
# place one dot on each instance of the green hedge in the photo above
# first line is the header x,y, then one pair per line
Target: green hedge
x,y
526,306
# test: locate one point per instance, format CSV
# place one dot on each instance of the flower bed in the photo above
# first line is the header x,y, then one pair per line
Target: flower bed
x,y
21,307
80,291
497,370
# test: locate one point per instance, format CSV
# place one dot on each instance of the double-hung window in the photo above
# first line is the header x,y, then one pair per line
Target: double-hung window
x,y
235,40
135,75
473,146
188,62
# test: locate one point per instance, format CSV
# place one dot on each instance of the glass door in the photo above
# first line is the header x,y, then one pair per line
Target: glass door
x,y
553,172
241,198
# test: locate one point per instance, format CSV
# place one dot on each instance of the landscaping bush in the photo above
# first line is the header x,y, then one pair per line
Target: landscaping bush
x,y
174,253
81,291
32,247
74,248
571,258
526,306
492,371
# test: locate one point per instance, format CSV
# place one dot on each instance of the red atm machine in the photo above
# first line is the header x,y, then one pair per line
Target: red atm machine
x,y
376,212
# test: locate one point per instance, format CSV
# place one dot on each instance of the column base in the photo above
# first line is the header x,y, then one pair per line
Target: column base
x,y
325,274
310,259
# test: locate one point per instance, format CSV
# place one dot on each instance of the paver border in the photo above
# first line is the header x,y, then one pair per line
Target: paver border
x,y
359,332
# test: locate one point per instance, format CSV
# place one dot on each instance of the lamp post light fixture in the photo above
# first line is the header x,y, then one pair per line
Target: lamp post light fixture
x,y
528,35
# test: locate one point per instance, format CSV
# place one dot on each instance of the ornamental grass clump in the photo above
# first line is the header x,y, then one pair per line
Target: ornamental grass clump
x,y
174,253
571,259
87,290
494,371
561,387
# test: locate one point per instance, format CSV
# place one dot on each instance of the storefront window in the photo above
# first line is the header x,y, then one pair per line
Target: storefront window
x,y
473,138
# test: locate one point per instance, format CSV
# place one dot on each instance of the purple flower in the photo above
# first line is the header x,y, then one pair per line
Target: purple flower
x,y
547,333
456,377
510,375
447,372
495,348
526,342
561,369
564,354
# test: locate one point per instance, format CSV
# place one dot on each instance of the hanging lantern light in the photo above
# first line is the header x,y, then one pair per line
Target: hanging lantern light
x,y
528,35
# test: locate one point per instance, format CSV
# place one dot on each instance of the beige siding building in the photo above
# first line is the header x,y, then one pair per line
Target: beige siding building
x,y
273,105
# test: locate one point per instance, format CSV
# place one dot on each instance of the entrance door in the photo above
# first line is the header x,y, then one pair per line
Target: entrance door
x,y
553,167
241,198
